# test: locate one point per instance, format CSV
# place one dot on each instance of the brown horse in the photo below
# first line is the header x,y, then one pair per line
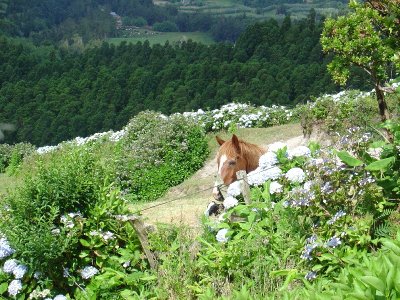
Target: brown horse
x,y
235,155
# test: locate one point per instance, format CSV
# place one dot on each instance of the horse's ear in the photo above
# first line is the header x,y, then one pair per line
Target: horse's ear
x,y
219,140
235,143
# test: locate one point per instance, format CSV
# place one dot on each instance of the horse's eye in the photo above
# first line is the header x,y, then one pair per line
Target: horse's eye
x,y
232,162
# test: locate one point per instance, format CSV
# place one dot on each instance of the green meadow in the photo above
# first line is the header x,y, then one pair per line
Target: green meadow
x,y
162,37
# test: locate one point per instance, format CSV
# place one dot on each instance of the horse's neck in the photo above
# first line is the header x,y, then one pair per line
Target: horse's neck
x,y
253,158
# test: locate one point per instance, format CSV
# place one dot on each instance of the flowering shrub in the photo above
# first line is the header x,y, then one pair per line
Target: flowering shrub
x,y
333,114
242,115
158,152
321,203
59,232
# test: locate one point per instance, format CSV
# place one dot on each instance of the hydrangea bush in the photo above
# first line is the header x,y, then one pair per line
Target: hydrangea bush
x,y
315,208
158,152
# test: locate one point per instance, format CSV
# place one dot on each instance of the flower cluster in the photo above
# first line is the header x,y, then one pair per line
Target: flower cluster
x,y
242,115
106,236
88,272
5,248
221,235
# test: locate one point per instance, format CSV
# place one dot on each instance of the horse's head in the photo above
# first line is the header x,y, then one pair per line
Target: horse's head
x,y
230,159
235,155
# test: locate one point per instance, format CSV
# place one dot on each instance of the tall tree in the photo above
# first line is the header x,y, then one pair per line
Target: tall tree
x,y
361,38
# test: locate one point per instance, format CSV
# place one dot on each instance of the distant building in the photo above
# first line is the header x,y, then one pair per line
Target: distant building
x,y
117,18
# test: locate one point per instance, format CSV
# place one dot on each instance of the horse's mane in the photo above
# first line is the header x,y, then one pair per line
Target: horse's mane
x,y
250,152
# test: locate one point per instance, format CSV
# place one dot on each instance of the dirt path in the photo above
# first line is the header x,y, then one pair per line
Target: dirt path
x,y
195,193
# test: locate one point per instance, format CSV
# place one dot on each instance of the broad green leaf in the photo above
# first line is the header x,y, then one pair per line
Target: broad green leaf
x,y
84,243
392,246
349,159
3,287
375,282
380,165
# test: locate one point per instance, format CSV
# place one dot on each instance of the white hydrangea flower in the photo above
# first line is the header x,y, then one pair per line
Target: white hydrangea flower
x,y
259,175
308,185
60,297
234,189
295,175
230,202
14,287
221,235
89,272
274,147
10,265
275,187
19,271
108,235
299,151
268,159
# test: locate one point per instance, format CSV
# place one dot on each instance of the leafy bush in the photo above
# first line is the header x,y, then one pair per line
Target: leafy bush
x,y
334,114
157,153
313,212
11,156
166,26
373,276
61,229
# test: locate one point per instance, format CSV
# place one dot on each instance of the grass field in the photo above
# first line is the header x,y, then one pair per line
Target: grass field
x,y
162,37
233,7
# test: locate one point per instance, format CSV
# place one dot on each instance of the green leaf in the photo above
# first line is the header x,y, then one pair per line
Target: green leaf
x,y
84,243
392,246
348,159
148,278
380,165
375,282
127,294
3,287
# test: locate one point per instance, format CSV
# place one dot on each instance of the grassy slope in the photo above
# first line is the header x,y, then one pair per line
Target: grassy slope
x,y
188,209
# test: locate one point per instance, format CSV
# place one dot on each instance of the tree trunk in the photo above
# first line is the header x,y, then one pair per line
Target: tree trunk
x,y
383,109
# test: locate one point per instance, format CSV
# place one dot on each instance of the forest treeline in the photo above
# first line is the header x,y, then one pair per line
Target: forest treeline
x,y
53,21
51,94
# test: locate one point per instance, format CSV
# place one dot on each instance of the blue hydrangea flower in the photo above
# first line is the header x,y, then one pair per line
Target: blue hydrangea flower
x,y
311,275
337,216
14,287
19,271
5,248
9,266
333,242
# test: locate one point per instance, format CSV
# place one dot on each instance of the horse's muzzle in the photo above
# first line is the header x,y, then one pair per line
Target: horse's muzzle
x,y
217,194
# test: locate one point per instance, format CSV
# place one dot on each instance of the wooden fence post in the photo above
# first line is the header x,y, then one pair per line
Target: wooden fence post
x,y
140,229
242,176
